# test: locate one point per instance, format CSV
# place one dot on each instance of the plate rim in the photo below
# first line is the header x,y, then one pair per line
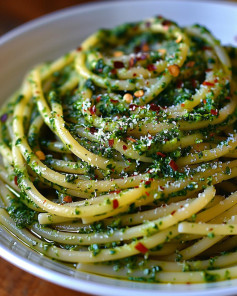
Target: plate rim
x,y
56,278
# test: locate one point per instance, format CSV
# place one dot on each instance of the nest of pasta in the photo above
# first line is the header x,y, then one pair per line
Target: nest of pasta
x,y
119,157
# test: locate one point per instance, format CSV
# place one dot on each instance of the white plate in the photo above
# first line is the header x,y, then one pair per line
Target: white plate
x,y
51,36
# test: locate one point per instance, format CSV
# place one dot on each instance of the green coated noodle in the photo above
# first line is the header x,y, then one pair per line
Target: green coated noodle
x,y
120,156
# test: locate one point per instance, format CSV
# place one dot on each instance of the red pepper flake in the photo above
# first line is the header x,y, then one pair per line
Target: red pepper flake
x,y
207,47
172,213
173,165
190,64
15,181
161,154
147,183
44,201
147,193
227,98
111,142
208,70
118,64
4,117
134,74
125,147
93,130
115,204
154,107
179,84
188,283
92,110
214,112
159,17
136,186
113,71
162,187
197,148
182,105
212,134
67,198
133,107
141,248
135,28
137,50
194,83
115,191
207,83
216,80
166,23
151,67
114,101
204,101
98,99
79,48
131,139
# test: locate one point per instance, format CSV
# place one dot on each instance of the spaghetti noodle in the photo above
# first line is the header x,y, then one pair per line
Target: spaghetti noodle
x,y
119,157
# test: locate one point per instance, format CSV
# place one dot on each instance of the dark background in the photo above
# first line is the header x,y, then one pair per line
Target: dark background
x,y
13,281
16,12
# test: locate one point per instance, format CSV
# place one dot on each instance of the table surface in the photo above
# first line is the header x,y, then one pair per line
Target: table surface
x,y
14,281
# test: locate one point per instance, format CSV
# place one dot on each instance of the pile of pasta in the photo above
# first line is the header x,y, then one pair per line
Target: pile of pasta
x,y
119,158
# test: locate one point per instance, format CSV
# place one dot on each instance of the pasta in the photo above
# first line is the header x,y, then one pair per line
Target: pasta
x,y
119,158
